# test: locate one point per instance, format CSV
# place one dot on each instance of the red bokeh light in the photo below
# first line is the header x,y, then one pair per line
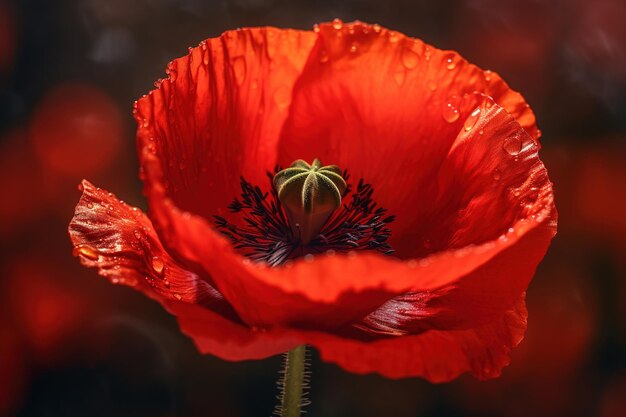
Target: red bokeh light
x,y
76,130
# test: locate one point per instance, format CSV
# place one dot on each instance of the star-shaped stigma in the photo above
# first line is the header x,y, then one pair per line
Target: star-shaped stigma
x,y
310,194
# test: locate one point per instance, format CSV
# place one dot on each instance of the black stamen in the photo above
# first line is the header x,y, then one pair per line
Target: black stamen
x,y
264,234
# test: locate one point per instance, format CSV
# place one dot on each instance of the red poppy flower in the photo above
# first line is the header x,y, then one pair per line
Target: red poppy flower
x,y
446,148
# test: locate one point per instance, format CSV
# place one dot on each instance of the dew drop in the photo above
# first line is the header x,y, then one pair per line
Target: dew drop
x,y
90,205
239,69
431,85
353,47
158,265
137,234
331,252
337,24
282,97
450,64
399,77
323,57
86,251
178,296
376,28
309,258
393,37
409,58
496,174
450,113
427,53
512,145
471,119
316,28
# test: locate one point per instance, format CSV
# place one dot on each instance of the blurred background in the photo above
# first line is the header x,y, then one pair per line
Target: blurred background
x,y
71,344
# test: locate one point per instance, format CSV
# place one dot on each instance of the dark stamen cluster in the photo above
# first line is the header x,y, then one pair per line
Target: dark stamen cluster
x,y
264,235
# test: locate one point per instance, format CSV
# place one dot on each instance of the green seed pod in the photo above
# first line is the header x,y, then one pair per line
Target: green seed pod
x,y
310,194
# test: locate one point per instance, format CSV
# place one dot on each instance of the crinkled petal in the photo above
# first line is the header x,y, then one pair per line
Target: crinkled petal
x,y
436,355
218,116
387,108
120,242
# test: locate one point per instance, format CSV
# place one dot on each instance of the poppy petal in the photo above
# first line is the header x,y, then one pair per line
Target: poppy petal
x,y
470,301
120,242
385,107
436,355
217,116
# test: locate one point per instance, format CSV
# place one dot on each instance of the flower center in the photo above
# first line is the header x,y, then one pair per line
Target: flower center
x,y
304,215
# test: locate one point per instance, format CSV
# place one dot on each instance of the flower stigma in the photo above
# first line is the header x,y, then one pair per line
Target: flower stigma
x,y
304,215
309,194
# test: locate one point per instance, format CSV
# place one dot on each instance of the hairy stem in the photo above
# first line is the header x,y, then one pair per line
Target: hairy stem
x,y
293,382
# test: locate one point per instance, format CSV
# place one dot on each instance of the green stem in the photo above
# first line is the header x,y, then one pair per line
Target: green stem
x,y
293,382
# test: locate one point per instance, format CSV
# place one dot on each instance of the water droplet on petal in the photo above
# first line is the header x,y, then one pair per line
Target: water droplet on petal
x,y
337,24
309,258
376,28
450,64
450,113
496,174
158,265
239,69
393,37
409,58
86,251
90,205
353,47
323,57
178,296
399,77
431,85
512,145
471,119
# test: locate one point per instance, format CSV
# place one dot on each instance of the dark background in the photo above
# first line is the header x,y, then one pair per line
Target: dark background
x,y
71,344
